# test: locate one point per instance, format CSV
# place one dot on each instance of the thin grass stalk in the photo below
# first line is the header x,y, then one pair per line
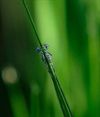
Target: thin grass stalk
x,y
61,97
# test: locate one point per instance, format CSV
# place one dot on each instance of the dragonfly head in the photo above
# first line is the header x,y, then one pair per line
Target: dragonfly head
x,y
38,49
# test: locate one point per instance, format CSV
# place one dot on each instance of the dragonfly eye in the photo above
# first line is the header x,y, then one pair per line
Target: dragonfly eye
x,y
45,46
38,49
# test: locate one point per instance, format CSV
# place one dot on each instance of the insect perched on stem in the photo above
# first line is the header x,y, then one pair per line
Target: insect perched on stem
x,y
47,53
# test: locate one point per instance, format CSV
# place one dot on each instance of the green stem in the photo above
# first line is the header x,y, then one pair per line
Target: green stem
x,y
61,97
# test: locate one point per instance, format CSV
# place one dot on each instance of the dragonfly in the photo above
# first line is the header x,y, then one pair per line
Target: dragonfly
x,y
47,53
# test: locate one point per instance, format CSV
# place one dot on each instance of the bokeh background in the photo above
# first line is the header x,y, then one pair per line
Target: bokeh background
x,y
71,28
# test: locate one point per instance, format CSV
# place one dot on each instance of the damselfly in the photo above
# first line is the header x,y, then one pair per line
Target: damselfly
x,y
47,53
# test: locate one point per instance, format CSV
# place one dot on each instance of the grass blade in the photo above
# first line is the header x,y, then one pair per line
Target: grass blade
x,y
61,97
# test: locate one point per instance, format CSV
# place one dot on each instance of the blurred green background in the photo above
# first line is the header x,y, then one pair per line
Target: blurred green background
x,y
71,28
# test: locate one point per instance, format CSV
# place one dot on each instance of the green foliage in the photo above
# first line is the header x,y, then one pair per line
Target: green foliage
x,y
72,30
